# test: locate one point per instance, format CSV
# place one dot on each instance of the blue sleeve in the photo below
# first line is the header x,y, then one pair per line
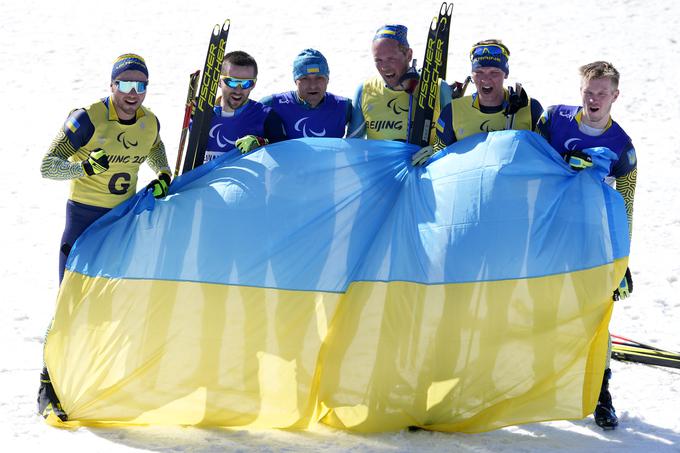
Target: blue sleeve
x,y
444,126
444,94
357,124
274,131
543,125
626,163
78,128
267,100
536,112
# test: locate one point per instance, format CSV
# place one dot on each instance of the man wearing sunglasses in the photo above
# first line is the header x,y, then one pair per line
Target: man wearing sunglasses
x,y
100,149
492,107
572,129
311,111
239,122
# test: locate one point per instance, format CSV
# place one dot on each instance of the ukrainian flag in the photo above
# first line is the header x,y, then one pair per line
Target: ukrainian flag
x,y
72,124
328,280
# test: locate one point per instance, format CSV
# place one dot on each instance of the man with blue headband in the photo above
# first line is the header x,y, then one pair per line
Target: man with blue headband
x,y
99,149
310,111
492,107
382,104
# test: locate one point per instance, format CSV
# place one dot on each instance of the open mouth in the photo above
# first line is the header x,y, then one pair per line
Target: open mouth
x,y
487,90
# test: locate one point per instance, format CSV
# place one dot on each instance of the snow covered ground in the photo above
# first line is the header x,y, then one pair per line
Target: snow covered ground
x,y
57,56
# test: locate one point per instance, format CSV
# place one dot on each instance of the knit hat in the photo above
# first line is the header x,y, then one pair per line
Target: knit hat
x,y
490,55
396,32
310,61
128,62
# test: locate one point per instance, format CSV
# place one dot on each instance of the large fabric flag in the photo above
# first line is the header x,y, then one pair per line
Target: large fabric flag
x,y
328,280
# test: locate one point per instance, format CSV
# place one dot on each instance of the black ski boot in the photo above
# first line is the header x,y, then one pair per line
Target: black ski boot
x,y
47,399
605,415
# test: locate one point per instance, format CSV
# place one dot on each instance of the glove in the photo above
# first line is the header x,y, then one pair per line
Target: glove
x,y
517,99
625,287
578,160
160,186
409,81
458,89
250,142
421,156
97,162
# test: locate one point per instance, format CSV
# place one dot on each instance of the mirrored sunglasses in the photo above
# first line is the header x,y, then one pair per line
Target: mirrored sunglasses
x,y
487,49
232,82
125,86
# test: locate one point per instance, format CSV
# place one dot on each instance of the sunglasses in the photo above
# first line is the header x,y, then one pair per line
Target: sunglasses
x,y
232,82
488,49
125,86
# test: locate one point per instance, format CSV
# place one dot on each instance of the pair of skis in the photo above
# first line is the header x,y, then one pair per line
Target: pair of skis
x,y
628,350
434,69
202,102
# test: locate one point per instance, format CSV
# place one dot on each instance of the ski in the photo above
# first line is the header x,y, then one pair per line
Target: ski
x,y
644,355
205,102
434,68
628,350
188,107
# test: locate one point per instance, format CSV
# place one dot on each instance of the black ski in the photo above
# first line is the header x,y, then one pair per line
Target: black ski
x,y
434,68
628,350
644,355
205,102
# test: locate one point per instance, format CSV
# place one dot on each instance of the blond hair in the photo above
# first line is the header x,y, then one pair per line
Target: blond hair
x,y
600,70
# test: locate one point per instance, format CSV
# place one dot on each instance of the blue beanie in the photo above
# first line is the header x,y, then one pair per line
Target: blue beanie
x,y
310,62
396,32
490,55
128,62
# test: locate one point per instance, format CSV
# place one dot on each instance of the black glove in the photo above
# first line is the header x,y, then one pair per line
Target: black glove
x,y
160,186
409,81
97,162
625,287
458,89
578,160
517,99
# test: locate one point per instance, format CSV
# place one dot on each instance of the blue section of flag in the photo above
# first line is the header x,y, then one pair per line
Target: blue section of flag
x,y
318,214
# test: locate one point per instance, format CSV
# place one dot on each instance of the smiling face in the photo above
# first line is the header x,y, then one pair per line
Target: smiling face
x,y
597,97
312,88
233,98
126,104
489,83
391,60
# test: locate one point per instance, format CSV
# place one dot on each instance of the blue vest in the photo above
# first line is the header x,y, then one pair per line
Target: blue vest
x,y
328,119
225,130
565,136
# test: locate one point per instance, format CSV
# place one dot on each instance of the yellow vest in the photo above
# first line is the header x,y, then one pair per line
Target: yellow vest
x,y
469,120
386,111
126,146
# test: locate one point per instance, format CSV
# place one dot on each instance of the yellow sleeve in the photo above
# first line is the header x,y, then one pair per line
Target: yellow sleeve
x,y
625,185
55,164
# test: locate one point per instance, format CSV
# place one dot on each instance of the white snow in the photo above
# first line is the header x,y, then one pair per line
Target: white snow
x,y
57,55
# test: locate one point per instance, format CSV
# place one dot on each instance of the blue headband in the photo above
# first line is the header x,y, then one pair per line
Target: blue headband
x,y
396,32
490,55
310,62
128,62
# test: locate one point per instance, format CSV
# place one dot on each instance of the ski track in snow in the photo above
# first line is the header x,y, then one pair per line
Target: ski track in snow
x,y
58,55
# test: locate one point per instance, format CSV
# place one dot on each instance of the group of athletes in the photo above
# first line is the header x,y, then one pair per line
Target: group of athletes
x,y
101,147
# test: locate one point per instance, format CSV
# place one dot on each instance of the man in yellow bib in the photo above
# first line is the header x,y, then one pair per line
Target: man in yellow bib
x,y
99,149
382,104
492,107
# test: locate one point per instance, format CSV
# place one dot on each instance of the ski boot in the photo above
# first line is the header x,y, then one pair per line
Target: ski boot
x,y
605,415
47,399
